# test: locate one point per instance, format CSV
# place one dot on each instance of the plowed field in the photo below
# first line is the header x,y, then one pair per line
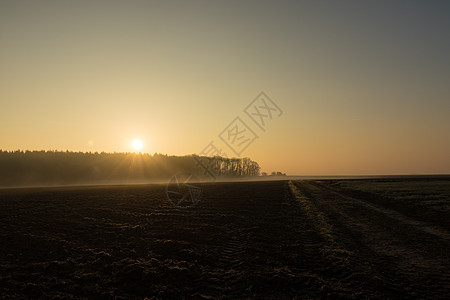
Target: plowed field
x,y
276,240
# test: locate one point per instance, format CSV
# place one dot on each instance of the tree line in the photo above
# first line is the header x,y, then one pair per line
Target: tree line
x,y
28,168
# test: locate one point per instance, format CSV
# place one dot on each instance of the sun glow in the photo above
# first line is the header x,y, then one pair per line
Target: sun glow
x,y
137,144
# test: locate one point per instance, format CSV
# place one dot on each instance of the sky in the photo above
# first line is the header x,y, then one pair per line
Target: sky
x,y
350,87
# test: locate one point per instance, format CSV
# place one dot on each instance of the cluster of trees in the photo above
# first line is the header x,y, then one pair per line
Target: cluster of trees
x,y
228,167
273,174
20,168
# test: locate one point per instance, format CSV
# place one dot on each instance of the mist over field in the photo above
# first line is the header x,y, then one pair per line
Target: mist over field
x,y
46,168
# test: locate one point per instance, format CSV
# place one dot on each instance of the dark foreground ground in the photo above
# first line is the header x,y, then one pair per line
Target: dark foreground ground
x,y
278,240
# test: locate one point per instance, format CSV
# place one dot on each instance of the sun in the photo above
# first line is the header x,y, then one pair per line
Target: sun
x,y
137,144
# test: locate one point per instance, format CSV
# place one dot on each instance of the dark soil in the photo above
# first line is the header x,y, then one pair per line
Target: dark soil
x,y
275,240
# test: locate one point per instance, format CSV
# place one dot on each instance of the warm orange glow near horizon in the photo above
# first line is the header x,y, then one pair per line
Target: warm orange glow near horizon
x,y
358,96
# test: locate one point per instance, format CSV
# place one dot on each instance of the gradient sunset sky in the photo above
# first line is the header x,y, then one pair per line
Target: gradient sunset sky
x,y
364,86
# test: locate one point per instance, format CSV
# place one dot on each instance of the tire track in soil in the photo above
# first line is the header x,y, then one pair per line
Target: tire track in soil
x,y
394,248
419,225
337,272
220,278
223,279
230,276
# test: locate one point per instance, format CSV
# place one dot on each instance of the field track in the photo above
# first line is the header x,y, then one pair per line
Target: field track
x,y
276,240
405,256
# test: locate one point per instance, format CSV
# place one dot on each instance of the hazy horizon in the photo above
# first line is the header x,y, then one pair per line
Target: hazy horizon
x,y
355,88
263,173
